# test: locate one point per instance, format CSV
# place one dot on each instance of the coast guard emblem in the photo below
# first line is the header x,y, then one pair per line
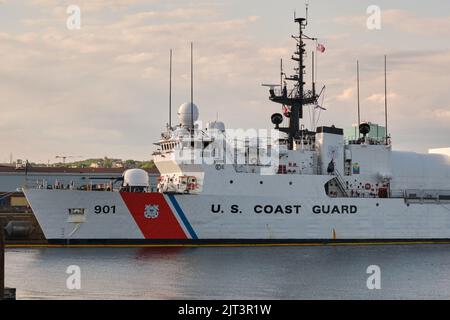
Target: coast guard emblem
x,y
151,211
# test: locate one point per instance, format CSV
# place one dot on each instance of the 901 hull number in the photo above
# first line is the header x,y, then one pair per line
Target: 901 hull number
x,y
98,209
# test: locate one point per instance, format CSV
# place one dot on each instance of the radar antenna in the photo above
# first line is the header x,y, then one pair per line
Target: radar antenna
x,y
296,98
192,89
170,92
306,10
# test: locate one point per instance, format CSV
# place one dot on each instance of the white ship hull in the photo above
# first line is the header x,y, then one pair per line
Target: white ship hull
x,y
125,217
290,185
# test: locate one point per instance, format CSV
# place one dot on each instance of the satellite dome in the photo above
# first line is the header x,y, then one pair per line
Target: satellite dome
x,y
184,114
135,178
216,125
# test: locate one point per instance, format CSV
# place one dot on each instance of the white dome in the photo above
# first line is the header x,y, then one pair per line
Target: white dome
x,y
135,178
184,114
216,125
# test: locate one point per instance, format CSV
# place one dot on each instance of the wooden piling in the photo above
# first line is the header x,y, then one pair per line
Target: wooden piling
x,y
2,260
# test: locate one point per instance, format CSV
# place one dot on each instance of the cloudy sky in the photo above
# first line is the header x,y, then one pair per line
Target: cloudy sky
x,y
102,90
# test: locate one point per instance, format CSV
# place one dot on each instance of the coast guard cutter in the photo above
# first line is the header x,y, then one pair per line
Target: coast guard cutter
x,y
296,186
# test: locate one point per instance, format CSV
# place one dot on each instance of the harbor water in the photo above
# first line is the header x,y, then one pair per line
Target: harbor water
x,y
323,272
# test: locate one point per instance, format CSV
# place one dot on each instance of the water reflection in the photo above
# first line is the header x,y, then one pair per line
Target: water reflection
x,y
232,273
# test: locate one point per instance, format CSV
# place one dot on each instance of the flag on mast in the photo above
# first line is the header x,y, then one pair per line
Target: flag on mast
x,y
320,48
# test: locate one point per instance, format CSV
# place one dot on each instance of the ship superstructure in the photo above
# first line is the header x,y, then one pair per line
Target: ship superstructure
x,y
192,160
290,185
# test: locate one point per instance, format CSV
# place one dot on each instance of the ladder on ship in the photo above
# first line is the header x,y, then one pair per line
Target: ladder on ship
x,y
340,183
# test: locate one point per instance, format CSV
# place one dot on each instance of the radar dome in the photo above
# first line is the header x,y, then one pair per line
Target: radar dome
x,y
135,178
185,112
216,125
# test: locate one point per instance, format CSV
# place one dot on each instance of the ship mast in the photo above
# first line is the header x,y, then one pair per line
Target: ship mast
x,y
296,98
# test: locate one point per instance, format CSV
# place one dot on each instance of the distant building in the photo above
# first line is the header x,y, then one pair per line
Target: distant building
x,y
377,132
12,178
117,164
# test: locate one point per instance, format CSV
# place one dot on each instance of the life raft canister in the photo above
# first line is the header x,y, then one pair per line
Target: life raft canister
x,y
192,183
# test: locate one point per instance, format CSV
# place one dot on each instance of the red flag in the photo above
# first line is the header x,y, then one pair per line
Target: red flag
x,y
286,111
320,48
